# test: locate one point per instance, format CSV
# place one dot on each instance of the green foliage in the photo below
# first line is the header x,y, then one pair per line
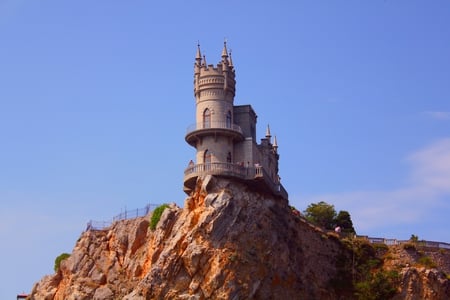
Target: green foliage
x,y
414,239
371,281
324,215
344,220
378,286
360,274
321,214
426,261
156,215
59,259
409,246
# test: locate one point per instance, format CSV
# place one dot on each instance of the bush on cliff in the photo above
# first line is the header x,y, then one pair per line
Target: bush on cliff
x,y
378,286
59,259
157,215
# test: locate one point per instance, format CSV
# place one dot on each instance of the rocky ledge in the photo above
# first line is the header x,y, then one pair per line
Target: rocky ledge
x,y
229,242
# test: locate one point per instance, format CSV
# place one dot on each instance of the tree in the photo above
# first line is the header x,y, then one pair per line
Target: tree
x,y
156,215
321,214
59,259
344,221
414,239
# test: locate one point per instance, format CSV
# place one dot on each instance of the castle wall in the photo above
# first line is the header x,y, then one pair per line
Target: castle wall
x,y
218,148
245,117
219,109
244,152
268,158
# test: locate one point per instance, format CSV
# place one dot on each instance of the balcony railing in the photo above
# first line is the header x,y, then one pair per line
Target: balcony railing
x,y
231,169
214,125
235,170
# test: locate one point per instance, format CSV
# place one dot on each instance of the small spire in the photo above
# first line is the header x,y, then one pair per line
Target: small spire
x,y
198,57
204,61
268,132
275,144
224,51
230,61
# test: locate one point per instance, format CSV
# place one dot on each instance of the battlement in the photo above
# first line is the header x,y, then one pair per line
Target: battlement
x,y
215,69
219,78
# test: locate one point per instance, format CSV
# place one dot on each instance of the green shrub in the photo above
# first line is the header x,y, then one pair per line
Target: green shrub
x,y
409,246
157,215
426,261
381,285
59,259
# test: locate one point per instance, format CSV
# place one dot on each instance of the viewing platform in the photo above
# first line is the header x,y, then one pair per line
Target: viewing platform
x,y
198,130
252,174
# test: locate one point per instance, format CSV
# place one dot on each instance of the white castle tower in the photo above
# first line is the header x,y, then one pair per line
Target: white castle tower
x,y
224,135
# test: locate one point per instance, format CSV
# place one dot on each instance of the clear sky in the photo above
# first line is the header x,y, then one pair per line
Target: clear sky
x,y
96,96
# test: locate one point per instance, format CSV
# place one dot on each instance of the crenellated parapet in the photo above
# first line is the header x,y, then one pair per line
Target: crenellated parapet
x,y
220,77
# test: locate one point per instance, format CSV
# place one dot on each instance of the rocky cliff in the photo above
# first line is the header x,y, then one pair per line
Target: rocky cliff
x,y
229,242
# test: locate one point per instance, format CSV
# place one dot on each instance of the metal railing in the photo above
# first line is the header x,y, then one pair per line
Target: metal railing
x,y
393,242
126,215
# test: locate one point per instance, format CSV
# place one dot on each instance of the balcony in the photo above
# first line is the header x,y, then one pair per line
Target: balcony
x,y
196,131
256,175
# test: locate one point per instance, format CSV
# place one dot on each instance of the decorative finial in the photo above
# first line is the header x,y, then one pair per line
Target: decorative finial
x,y
275,144
268,132
224,51
198,57
204,61
229,59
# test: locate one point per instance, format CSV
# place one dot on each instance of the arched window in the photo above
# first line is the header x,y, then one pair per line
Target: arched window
x,y
229,157
229,119
207,157
206,118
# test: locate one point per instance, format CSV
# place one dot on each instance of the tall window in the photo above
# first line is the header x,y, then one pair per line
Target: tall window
x,y
229,119
206,118
207,157
229,157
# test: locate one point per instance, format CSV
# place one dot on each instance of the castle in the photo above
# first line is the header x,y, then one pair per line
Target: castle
x,y
224,134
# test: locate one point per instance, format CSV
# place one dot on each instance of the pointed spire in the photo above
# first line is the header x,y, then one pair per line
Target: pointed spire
x,y
198,57
204,61
268,136
230,61
275,144
225,52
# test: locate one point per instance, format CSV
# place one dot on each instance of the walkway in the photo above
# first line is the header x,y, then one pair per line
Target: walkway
x,y
126,215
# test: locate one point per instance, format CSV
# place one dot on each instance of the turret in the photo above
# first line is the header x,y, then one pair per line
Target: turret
x,y
224,135
214,89
216,82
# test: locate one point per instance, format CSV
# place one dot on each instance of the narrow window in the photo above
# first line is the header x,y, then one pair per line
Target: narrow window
x,y
229,157
229,119
206,118
207,157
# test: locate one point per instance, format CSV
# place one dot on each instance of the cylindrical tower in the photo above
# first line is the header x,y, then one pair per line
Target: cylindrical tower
x,y
214,132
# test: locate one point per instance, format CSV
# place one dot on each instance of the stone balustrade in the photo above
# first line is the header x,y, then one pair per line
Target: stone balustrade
x,y
235,170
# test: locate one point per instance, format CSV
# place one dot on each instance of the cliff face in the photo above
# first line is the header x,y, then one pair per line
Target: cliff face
x,y
229,242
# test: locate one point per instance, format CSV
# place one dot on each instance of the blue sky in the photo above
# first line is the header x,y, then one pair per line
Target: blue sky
x,y
96,96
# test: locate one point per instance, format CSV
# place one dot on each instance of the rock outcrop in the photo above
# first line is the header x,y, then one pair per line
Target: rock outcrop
x,y
229,242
